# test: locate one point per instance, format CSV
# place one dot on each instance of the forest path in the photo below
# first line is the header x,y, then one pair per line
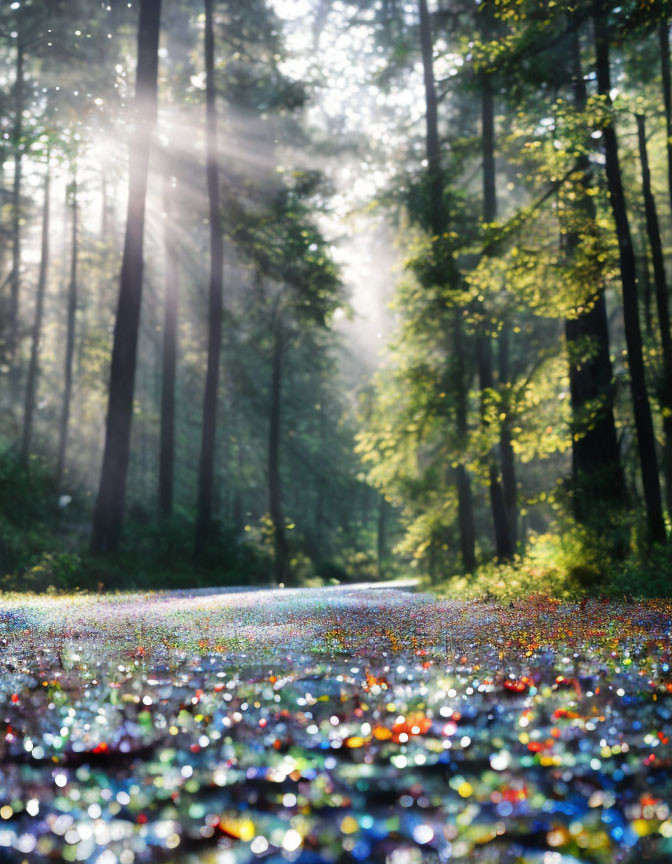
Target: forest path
x,y
359,723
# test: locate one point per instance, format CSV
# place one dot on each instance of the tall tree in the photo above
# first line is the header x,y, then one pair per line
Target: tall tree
x,y
36,336
108,514
597,476
281,550
71,326
438,226
664,39
169,357
660,287
17,142
633,336
206,465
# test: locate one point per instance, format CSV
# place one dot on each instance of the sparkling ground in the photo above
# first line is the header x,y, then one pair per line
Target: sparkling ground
x,y
333,725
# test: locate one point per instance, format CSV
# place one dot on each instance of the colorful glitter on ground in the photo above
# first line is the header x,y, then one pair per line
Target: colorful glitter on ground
x,y
336,725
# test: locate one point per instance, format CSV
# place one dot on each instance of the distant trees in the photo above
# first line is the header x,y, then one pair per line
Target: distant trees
x,y
297,291
520,177
260,480
547,256
633,337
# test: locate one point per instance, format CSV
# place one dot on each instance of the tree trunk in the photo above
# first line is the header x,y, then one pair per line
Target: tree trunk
x,y
646,286
169,358
664,35
509,485
320,485
381,538
465,501
207,458
33,368
15,281
504,545
660,287
437,214
438,225
597,476
69,339
109,509
281,556
633,336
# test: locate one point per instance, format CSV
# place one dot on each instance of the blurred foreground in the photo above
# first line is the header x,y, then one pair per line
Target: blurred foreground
x,y
333,725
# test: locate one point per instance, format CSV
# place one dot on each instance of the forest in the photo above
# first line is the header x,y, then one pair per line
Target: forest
x,y
336,290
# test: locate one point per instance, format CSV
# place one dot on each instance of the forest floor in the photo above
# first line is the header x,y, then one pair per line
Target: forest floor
x,y
331,725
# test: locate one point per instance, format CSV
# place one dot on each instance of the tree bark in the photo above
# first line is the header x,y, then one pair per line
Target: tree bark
x,y
633,336
17,134
438,225
660,287
646,286
108,515
169,357
33,368
509,484
664,36
381,538
207,457
597,476
281,551
69,339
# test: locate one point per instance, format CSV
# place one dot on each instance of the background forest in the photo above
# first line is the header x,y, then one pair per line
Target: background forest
x,y
336,290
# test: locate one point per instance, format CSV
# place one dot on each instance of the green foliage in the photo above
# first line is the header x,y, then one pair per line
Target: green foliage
x,y
27,510
159,554
55,571
611,559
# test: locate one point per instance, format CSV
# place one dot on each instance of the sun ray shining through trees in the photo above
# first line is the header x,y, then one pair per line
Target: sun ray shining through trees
x,y
335,431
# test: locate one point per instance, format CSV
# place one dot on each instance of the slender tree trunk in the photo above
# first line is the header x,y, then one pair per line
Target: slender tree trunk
x,y
597,476
207,458
660,286
33,368
506,440
169,359
381,538
646,286
109,509
504,545
69,339
238,511
438,224
633,336
281,557
664,36
320,485
438,218
465,501
17,134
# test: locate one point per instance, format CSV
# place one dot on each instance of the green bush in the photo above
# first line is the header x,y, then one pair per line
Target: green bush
x,y
575,561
